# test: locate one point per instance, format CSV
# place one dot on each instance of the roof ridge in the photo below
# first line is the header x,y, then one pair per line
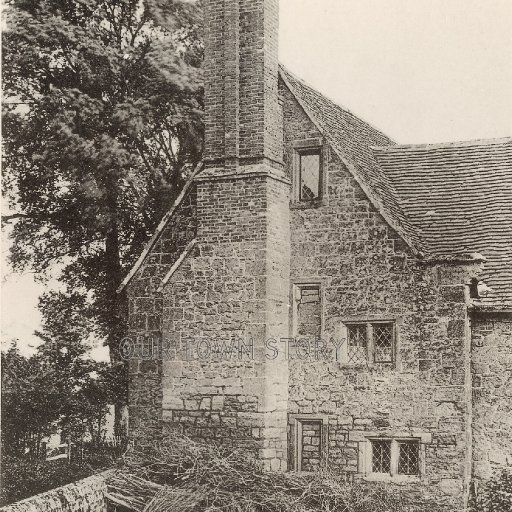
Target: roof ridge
x,y
348,111
443,145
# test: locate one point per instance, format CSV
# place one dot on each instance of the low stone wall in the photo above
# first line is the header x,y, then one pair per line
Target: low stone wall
x,y
87,495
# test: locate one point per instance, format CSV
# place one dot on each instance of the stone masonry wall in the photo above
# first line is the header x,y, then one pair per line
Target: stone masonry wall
x,y
366,273
87,495
217,311
492,393
144,346
311,445
235,289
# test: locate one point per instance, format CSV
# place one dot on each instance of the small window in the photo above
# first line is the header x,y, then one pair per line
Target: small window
x,y
381,456
370,341
309,175
395,457
308,312
357,339
408,457
383,343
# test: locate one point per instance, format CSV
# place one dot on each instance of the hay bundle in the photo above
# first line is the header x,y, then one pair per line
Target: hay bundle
x,y
185,476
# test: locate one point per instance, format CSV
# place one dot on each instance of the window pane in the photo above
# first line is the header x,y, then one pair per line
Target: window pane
x,y
408,457
381,456
383,343
309,314
309,176
357,344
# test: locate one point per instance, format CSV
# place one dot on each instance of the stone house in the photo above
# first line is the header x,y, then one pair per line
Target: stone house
x,y
319,294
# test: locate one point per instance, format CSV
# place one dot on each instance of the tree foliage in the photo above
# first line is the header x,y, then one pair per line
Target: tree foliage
x,y
29,403
102,121
57,390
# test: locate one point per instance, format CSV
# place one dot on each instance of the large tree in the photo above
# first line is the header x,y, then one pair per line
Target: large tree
x,y
102,121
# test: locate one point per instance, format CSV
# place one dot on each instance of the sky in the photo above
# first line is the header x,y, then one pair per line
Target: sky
x,y
419,70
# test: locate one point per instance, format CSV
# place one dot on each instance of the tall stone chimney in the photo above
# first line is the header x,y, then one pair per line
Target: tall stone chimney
x,y
243,119
235,291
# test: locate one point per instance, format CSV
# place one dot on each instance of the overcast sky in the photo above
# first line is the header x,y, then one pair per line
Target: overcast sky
x,y
419,70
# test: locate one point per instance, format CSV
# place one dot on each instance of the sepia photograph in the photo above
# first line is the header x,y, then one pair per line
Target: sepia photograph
x,y
256,256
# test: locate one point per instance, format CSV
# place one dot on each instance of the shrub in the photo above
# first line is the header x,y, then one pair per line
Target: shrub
x,y
24,477
496,495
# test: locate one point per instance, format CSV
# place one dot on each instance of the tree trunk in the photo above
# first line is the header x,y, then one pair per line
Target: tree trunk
x,y
117,303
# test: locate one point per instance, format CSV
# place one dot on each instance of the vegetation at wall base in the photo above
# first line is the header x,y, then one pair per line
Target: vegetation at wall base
x,y
495,495
186,475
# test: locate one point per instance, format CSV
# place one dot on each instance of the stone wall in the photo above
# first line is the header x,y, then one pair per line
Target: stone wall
x,y
144,346
234,290
311,441
218,310
492,392
368,274
87,495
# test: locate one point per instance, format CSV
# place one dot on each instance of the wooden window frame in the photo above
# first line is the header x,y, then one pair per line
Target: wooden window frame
x,y
304,147
309,152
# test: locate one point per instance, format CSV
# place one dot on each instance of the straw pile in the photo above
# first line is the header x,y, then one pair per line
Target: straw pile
x,y
185,476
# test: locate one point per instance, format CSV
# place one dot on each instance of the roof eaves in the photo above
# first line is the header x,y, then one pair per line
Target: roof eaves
x,y
443,145
498,307
461,258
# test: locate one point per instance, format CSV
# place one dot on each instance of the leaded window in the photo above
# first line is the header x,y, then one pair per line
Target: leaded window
x,y
383,343
370,342
381,456
408,457
395,457
357,340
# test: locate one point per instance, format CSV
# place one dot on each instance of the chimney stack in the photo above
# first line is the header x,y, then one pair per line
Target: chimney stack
x,y
242,116
237,286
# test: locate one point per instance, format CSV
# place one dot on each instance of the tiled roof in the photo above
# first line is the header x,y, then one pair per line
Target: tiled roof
x,y
445,200
352,139
460,198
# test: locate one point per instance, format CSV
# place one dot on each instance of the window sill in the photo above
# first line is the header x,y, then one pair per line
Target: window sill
x,y
397,479
307,205
366,366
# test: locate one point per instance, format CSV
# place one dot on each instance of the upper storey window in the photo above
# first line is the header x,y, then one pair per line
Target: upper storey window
x,y
370,342
310,175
